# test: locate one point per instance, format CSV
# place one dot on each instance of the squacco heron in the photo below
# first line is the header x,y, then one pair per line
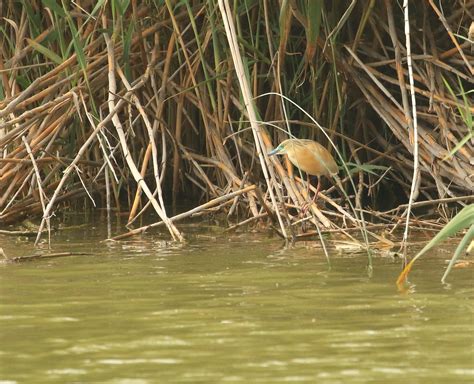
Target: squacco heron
x,y
309,156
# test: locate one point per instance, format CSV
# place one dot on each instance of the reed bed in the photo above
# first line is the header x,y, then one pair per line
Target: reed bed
x,y
142,106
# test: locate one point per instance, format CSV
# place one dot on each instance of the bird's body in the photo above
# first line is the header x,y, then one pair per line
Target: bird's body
x,y
309,156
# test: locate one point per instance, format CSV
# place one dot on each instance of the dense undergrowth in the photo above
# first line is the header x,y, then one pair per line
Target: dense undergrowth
x,y
139,106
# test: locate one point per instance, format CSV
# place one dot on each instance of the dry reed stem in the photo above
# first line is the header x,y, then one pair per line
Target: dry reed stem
x,y
244,87
451,36
160,210
181,216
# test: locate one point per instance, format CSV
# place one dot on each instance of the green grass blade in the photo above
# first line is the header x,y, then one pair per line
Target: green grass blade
x,y
285,26
99,5
458,146
127,43
464,110
367,168
313,14
122,6
45,51
76,41
463,244
54,7
464,219
201,54
467,104
34,19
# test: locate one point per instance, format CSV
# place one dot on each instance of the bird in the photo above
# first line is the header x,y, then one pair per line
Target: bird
x,y
309,156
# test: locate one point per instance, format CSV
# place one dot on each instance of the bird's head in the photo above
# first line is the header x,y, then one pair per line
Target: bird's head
x,y
281,149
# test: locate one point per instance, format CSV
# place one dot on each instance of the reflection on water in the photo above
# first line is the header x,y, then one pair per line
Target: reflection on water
x,y
227,309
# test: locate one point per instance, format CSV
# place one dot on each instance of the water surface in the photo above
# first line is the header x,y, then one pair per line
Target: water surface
x,y
227,308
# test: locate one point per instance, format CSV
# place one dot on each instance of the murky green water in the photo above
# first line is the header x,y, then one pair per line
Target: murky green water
x,y
238,309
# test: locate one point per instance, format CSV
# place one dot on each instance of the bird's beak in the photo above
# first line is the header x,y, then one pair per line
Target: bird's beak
x,y
274,151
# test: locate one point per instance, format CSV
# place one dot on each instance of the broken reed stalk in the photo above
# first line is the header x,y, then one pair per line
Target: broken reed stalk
x,y
451,36
249,105
181,216
160,210
150,148
39,182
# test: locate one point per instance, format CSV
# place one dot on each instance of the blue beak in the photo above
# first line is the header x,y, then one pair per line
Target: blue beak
x,y
274,151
